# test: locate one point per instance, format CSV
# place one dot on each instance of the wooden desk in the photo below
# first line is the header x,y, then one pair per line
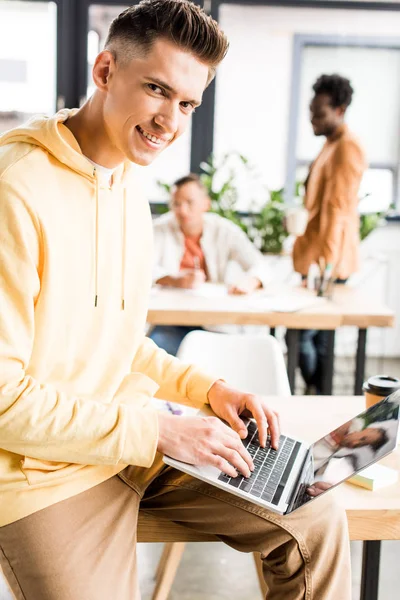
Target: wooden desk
x,y
372,516
348,307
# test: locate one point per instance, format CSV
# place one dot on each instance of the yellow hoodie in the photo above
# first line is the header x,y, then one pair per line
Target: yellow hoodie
x,y
76,372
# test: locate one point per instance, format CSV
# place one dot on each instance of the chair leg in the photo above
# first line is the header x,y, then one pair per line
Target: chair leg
x,y
259,568
166,570
163,559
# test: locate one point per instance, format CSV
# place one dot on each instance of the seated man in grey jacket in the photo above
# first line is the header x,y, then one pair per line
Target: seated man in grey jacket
x,y
193,246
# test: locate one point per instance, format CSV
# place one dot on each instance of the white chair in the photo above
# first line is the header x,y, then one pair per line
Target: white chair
x,y
251,363
5,592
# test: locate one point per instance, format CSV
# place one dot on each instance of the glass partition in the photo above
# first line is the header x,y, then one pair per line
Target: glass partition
x,y
27,60
263,95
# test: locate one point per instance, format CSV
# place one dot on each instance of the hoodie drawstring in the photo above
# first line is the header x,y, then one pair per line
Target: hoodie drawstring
x,y
96,250
123,246
123,250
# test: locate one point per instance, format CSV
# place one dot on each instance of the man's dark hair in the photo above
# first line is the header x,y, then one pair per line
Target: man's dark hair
x,y
191,178
180,21
336,87
382,440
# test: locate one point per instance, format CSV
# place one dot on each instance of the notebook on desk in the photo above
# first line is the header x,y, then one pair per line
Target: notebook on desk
x,y
289,302
282,478
286,303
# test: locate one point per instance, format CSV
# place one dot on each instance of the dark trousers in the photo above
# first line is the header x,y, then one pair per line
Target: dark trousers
x,y
169,337
313,354
313,346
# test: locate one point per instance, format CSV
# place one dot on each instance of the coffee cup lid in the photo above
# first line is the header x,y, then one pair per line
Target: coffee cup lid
x,y
382,385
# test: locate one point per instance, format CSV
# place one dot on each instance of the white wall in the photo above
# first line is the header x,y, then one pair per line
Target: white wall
x,y
253,85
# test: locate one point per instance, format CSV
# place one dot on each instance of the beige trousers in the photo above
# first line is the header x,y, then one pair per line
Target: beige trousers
x,y
84,548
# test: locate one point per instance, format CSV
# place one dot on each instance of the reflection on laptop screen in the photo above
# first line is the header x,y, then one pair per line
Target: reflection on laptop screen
x,y
351,447
357,443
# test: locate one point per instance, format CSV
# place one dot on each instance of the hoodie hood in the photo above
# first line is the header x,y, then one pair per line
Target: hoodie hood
x,y
76,372
51,135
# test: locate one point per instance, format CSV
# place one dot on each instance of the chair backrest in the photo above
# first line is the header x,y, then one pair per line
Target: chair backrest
x,y
251,363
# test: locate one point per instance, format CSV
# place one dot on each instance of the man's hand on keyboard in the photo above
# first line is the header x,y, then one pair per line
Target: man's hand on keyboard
x,y
229,404
203,441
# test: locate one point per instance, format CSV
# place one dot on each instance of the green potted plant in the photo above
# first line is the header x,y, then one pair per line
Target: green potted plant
x,y
264,226
267,229
368,223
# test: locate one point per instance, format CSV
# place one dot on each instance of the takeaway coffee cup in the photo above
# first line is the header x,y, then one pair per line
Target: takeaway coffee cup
x,y
296,220
378,387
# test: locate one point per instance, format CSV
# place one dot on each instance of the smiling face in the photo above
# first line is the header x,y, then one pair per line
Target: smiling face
x,y
325,118
147,103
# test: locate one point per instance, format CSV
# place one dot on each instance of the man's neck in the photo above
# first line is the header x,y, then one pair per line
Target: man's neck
x,y
193,232
87,126
335,132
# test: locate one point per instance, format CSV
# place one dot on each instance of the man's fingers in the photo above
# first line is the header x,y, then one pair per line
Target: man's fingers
x,y
244,454
233,442
223,465
274,427
237,424
278,419
261,420
237,291
229,446
267,420
223,427
234,458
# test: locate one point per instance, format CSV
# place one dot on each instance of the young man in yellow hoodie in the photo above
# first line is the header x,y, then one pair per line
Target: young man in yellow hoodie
x,y
80,444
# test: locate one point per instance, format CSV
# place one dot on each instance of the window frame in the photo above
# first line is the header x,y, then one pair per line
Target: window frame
x,y
300,42
208,118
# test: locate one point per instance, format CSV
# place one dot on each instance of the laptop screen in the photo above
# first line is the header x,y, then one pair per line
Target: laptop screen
x,y
351,447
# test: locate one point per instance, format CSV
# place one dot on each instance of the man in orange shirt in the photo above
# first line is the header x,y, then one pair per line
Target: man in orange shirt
x,y
332,237
193,245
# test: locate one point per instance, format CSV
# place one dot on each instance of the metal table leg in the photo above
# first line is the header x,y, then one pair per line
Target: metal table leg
x,y
327,383
370,570
292,341
272,331
360,361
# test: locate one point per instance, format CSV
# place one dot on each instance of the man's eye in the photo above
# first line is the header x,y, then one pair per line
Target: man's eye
x,y
188,106
155,88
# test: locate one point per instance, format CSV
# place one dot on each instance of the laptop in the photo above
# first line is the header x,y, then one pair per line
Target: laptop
x,y
282,478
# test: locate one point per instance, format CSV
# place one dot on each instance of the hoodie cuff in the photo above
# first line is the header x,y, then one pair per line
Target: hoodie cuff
x,y
198,387
141,436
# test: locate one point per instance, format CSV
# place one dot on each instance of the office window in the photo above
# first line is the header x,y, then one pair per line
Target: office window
x,y
374,114
254,85
28,32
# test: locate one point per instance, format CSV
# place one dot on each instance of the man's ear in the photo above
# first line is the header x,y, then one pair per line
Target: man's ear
x,y
341,110
104,65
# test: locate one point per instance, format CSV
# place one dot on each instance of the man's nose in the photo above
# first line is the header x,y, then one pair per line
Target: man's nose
x,y
183,210
168,117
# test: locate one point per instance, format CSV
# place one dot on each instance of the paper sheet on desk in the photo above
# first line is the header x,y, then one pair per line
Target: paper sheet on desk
x,y
208,290
259,300
283,302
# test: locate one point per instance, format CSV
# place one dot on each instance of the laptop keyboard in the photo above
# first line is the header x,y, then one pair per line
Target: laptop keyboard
x,y
271,467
